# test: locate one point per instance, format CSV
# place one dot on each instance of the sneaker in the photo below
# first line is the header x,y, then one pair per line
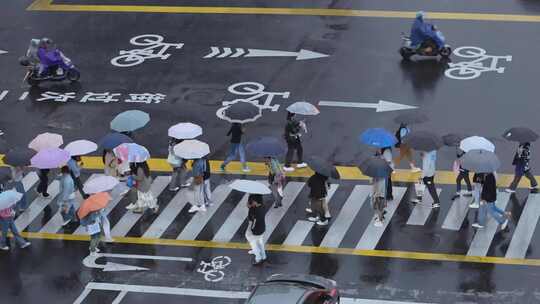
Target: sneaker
x,y
202,208
313,219
288,169
109,240
508,190
277,205
474,205
222,168
301,165
5,248
174,189
26,244
131,206
415,169
66,222
251,252
467,193
378,223
98,250
257,263
155,209
415,200
186,185
455,196
435,205
246,169
193,209
534,189
308,210
504,224
45,194
137,210
322,223
476,225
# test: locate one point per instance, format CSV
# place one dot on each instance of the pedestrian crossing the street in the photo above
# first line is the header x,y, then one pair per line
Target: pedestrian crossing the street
x,y
351,226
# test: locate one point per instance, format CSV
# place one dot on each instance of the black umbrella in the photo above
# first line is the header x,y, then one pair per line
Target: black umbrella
x,y
453,139
410,118
520,134
3,146
375,167
19,157
322,167
241,112
424,141
480,161
5,174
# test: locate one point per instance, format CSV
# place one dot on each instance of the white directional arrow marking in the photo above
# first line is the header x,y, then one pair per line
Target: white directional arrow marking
x,y
90,261
3,52
381,106
301,55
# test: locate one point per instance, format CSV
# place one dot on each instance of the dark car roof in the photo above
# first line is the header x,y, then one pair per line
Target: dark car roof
x,y
303,279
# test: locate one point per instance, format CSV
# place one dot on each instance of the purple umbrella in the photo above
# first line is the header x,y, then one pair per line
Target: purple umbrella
x,y
50,158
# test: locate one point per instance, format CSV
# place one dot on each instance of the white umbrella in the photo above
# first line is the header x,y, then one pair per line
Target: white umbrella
x,y
46,141
9,198
303,108
191,149
476,143
81,147
249,186
185,130
100,183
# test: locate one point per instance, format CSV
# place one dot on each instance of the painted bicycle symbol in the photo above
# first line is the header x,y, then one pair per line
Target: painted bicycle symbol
x,y
155,48
254,93
467,70
213,270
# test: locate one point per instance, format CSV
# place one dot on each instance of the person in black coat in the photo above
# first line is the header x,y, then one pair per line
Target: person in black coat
x,y
256,227
318,190
487,204
522,168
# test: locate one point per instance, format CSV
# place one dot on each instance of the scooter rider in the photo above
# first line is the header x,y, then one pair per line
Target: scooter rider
x,y
49,56
425,35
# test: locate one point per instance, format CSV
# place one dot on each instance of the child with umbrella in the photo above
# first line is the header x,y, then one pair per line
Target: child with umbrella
x,y
91,218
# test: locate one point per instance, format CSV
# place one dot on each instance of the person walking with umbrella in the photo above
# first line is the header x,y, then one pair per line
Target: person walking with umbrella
x,y
276,179
256,227
521,162
429,160
110,163
143,182
207,188
379,170
7,219
198,169
487,205
17,174
236,146
75,171
386,154
405,151
317,184
102,186
292,135
43,175
66,199
178,178
462,174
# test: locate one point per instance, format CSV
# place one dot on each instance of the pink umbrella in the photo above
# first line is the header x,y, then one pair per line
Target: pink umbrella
x,y
46,140
50,158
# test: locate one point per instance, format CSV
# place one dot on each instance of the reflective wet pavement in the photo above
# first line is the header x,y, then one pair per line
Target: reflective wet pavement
x,y
363,66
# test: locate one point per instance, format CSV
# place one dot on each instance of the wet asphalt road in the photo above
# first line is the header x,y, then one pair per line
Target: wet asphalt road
x,y
363,67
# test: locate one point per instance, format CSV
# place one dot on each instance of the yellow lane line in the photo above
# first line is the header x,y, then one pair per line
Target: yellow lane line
x,y
259,169
407,255
47,5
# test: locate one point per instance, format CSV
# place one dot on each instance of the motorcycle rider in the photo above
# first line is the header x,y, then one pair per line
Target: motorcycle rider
x,y
425,35
50,57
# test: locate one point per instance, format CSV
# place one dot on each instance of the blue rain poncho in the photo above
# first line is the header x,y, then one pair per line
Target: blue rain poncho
x,y
422,31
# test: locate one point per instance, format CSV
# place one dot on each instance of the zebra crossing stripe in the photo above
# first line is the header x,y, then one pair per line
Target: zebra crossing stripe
x,y
29,180
234,220
372,234
55,223
200,219
168,214
116,198
274,215
421,212
457,213
346,217
483,237
37,206
525,229
297,237
129,219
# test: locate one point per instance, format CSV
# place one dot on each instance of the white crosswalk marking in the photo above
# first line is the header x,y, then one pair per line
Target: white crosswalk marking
x,y
346,216
168,214
297,237
457,213
234,221
55,223
525,228
483,237
29,180
37,206
373,234
274,215
117,196
422,211
129,219
200,219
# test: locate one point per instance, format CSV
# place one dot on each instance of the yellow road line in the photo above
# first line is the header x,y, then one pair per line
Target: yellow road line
x,y
47,5
408,255
259,169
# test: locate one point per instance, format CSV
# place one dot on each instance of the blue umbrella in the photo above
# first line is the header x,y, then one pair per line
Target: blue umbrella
x,y
266,147
129,121
378,137
9,198
113,140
